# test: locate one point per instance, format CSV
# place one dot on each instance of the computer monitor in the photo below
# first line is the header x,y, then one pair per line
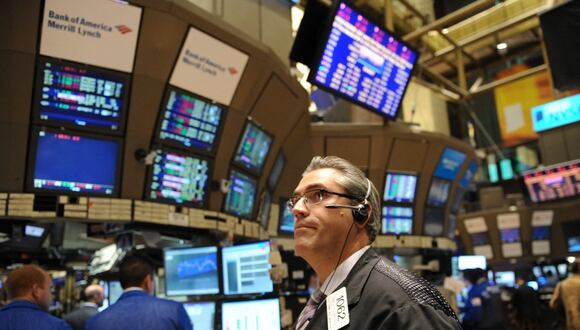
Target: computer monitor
x,y
34,231
457,199
397,220
506,169
510,235
362,62
434,218
276,171
253,148
478,239
80,96
265,205
533,284
189,122
541,233
245,269
562,270
202,314
537,270
400,187
505,278
552,183
286,219
191,271
73,163
571,232
471,262
251,314
449,164
241,196
176,178
438,192
469,174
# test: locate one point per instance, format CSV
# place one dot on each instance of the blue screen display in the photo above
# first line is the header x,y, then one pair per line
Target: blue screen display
x,y
80,96
480,239
506,169
540,233
449,164
286,218
557,113
241,197
364,63
190,122
253,148
469,174
397,220
245,268
438,192
510,235
201,314
400,188
191,271
75,163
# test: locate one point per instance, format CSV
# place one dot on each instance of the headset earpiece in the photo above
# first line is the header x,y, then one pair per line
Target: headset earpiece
x,y
361,213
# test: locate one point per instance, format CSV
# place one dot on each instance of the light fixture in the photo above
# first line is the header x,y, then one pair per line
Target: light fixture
x,y
571,259
501,46
445,31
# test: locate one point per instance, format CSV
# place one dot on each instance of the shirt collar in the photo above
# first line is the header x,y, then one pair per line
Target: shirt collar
x,y
133,288
341,272
21,304
89,304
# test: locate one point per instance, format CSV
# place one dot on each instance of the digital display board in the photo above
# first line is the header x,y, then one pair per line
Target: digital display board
x,y
191,271
509,235
202,314
556,114
80,96
251,314
73,163
188,121
471,262
449,164
438,192
276,171
554,182
363,62
246,268
253,148
400,187
178,179
434,220
397,220
286,218
241,196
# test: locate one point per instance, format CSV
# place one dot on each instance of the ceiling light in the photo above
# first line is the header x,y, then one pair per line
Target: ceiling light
x,y
445,31
501,46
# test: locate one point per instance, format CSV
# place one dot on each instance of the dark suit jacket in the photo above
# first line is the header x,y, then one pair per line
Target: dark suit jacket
x,y
382,295
24,315
137,310
78,317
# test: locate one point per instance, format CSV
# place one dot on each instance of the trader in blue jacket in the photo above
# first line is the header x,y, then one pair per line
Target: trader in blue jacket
x,y
29,289
137,309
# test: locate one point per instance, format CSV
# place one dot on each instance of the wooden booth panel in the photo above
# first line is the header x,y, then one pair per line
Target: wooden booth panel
x,y
407,155
355,149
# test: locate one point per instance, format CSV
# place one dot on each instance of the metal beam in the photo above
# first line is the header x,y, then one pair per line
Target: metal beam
x,y
509,79
414,11
389,16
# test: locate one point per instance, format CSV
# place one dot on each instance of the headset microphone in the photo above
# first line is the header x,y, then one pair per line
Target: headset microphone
x,y
360,213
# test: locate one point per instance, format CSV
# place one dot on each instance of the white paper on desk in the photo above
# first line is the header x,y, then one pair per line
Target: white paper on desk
x,y
514,117
508,220
542,218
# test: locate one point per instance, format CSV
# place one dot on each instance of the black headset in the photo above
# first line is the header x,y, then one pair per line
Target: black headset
x,y
360,212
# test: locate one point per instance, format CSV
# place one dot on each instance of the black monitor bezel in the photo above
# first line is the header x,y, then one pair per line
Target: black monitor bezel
x,y
443,221
242,166
249,216
217,307
149,180
31,164
37,95
219,271
324,35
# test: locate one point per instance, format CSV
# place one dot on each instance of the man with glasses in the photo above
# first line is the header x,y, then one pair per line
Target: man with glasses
x,y
337,216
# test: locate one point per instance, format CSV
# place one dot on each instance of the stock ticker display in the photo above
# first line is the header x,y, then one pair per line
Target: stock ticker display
x,y
553,183
397,220
191,271
241,197
179,179
400,188
80,96
364,63
189,121
253,148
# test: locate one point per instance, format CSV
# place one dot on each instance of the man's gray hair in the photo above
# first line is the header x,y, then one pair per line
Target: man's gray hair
x,y
354,181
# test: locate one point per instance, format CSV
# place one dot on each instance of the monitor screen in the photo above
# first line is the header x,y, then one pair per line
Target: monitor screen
x,y
471,262
557,113
478,239
201,314
80,96
276,171
541,233
400,187
241,196
188,121
572,235
554,182
457,199
505,278
34,231
469,174
438,192
563,270
265,205
245,268
493,172
537,270
362,62
191,271
434,220
533,284
397,220
115,291
510,235
286,218
449,164
251,314
74,163
506,169
253,148
178,179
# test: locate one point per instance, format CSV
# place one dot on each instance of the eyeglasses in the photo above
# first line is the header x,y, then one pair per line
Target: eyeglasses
x,y
313,197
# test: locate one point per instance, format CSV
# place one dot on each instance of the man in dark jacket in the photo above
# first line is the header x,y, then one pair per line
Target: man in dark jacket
x,y
527,305
94,295
336,214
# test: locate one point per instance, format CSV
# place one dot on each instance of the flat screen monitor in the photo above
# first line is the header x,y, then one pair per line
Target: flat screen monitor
x,y
449,164
557,113
178,179
434,220
533,284
202,314
251,314
553,183
115,291
506,169
191,271
541,233
73,163
479,239
505,278
245,269
34,231
241,196
253,148
509,235
471,262
492,172
469,174
438,192
400,187
286,218
265,205
572,235
537,270
397,220
80,96
189,122
550,271
362,62
457,199
276,171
